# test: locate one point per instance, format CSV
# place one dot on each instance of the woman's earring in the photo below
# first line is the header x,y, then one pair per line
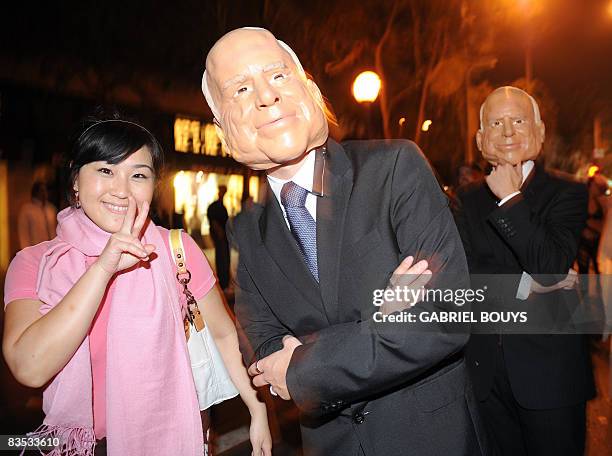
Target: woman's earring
x,y
77,204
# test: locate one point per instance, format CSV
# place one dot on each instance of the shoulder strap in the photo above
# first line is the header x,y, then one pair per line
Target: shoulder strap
x,y
178,251
193,315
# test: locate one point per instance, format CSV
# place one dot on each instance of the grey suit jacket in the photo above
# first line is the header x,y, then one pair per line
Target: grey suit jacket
x,y
362,387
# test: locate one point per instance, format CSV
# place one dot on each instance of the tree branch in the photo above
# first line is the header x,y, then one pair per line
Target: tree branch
x,y
378,59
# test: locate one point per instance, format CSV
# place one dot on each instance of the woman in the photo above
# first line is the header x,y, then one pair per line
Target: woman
x,y
604,259
97,311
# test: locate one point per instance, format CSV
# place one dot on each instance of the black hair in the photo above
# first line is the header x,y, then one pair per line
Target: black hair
x,y
112,141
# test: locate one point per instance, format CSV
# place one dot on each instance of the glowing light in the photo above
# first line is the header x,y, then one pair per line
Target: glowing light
x,y
426,125
193,136
366,86
211,140
195,191
530,8
181,135
402,121
609,9
206,194
593,169
254,188
181,191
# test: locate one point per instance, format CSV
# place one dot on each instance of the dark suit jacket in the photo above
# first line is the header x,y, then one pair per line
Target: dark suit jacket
x,y
361,387
536,232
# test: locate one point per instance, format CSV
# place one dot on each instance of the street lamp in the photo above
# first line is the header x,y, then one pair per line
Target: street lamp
x,y
401,123
366,87
593,169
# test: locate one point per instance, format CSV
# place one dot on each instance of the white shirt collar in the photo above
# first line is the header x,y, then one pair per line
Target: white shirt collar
x,y
527,167
303,177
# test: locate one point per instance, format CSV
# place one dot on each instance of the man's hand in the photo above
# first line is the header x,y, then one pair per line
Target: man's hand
x,y
272,370
505,179
568,283
407,275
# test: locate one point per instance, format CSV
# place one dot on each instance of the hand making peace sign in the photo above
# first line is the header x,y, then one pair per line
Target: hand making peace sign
x,y
124,248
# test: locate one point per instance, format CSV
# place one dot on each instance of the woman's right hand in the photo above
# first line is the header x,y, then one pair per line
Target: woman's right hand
x,y
124,248
259,433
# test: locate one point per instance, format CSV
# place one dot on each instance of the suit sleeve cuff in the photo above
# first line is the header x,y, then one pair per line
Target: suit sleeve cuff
x,y
524,288
304,398
509,219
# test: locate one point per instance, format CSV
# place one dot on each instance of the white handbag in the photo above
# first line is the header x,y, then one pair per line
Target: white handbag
x,y
212,381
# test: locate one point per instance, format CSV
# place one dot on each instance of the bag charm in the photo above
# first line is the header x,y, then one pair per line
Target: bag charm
x,y
193,315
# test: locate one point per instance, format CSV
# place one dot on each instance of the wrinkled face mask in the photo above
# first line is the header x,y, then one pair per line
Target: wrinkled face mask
x,y
269,112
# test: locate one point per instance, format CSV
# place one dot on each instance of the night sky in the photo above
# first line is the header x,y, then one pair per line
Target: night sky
x,y
572,42
572,55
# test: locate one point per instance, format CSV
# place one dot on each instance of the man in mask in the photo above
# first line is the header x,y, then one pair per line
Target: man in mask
x,y
337,222
521,221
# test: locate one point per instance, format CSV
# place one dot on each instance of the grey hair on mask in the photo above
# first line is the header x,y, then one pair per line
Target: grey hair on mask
x,y
283,45
534,105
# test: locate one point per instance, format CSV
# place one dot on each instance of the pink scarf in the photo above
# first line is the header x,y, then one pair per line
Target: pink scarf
x,y
151,405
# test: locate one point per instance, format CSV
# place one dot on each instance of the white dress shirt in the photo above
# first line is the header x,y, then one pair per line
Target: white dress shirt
x,y
524,288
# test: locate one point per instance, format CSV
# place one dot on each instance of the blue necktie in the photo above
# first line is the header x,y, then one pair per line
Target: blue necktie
x,y
303,226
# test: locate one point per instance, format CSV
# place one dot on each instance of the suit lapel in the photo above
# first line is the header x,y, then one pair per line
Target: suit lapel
x,y
534,185
282,247
331,213
531,189
487,204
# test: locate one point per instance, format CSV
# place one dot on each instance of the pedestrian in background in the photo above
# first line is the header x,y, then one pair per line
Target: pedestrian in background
x,y
522,221
36,221
217,218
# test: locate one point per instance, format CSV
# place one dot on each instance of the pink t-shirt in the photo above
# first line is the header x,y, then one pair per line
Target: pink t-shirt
x,y
21,280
